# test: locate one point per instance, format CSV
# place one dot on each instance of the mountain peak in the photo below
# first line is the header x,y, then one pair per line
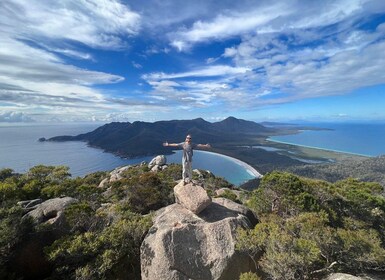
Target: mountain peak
x,y
231,118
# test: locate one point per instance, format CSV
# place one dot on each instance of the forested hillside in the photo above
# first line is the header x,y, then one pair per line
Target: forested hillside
x,y
144,138
369,170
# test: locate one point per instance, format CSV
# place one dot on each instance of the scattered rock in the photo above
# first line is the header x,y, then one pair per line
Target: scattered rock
x,y
119,170
192,197
115,175
158,160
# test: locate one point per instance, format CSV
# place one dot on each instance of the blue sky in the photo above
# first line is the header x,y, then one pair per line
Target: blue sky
x,y
106,61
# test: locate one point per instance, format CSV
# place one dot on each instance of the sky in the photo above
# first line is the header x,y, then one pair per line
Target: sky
x,y
110,60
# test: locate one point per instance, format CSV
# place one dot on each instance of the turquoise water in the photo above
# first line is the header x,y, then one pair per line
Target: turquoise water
x,y
364,139
217,164
20,150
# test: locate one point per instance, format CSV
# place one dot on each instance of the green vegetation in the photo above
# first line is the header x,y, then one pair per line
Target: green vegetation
x,y
368,170
104,228
249,276
108,252
309,227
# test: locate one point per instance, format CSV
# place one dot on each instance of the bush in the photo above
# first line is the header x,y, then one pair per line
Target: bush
x,y
308,226
249,276
9,191
80,217
230,195
284,254
113,253
149,193
13,229
6,173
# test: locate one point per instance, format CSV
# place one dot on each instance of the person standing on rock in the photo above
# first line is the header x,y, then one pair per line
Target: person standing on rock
x,y
188,148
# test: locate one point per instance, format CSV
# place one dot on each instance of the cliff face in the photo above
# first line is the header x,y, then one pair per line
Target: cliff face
x,y
184,245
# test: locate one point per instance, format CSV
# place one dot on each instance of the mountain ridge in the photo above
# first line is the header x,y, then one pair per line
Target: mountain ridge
x,y
145,138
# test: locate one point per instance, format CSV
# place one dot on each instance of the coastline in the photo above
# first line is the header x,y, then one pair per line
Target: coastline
x,y
251,170
317,148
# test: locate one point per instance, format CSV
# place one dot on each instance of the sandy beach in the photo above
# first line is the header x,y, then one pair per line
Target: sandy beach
x,y
251,170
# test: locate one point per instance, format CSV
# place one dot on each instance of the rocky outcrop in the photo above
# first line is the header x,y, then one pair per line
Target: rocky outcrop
x,y
29,205
241,209
115,175
158,163
192,197
182,245
29,258
51,211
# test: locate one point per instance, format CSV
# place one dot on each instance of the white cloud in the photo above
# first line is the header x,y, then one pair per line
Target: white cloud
x,y
73,53
35,39
263,17
15,117
209,71
342,73
95,23
225,26
137,65
279,52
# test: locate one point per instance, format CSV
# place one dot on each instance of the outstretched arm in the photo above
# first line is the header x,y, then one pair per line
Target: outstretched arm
x,y
206,146
166,144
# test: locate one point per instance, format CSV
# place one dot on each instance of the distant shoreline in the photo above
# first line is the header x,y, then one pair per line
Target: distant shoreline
x,y
251,170
317,148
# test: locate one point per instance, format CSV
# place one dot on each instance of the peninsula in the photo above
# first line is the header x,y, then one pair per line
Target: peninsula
x,y
237,138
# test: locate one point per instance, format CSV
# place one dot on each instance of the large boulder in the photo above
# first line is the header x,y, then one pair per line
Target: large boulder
x,y
192,197
237,208
157,161
51,211
181,245
29,259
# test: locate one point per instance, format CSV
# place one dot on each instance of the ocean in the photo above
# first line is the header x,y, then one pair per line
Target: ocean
x,y
21,150
367,139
